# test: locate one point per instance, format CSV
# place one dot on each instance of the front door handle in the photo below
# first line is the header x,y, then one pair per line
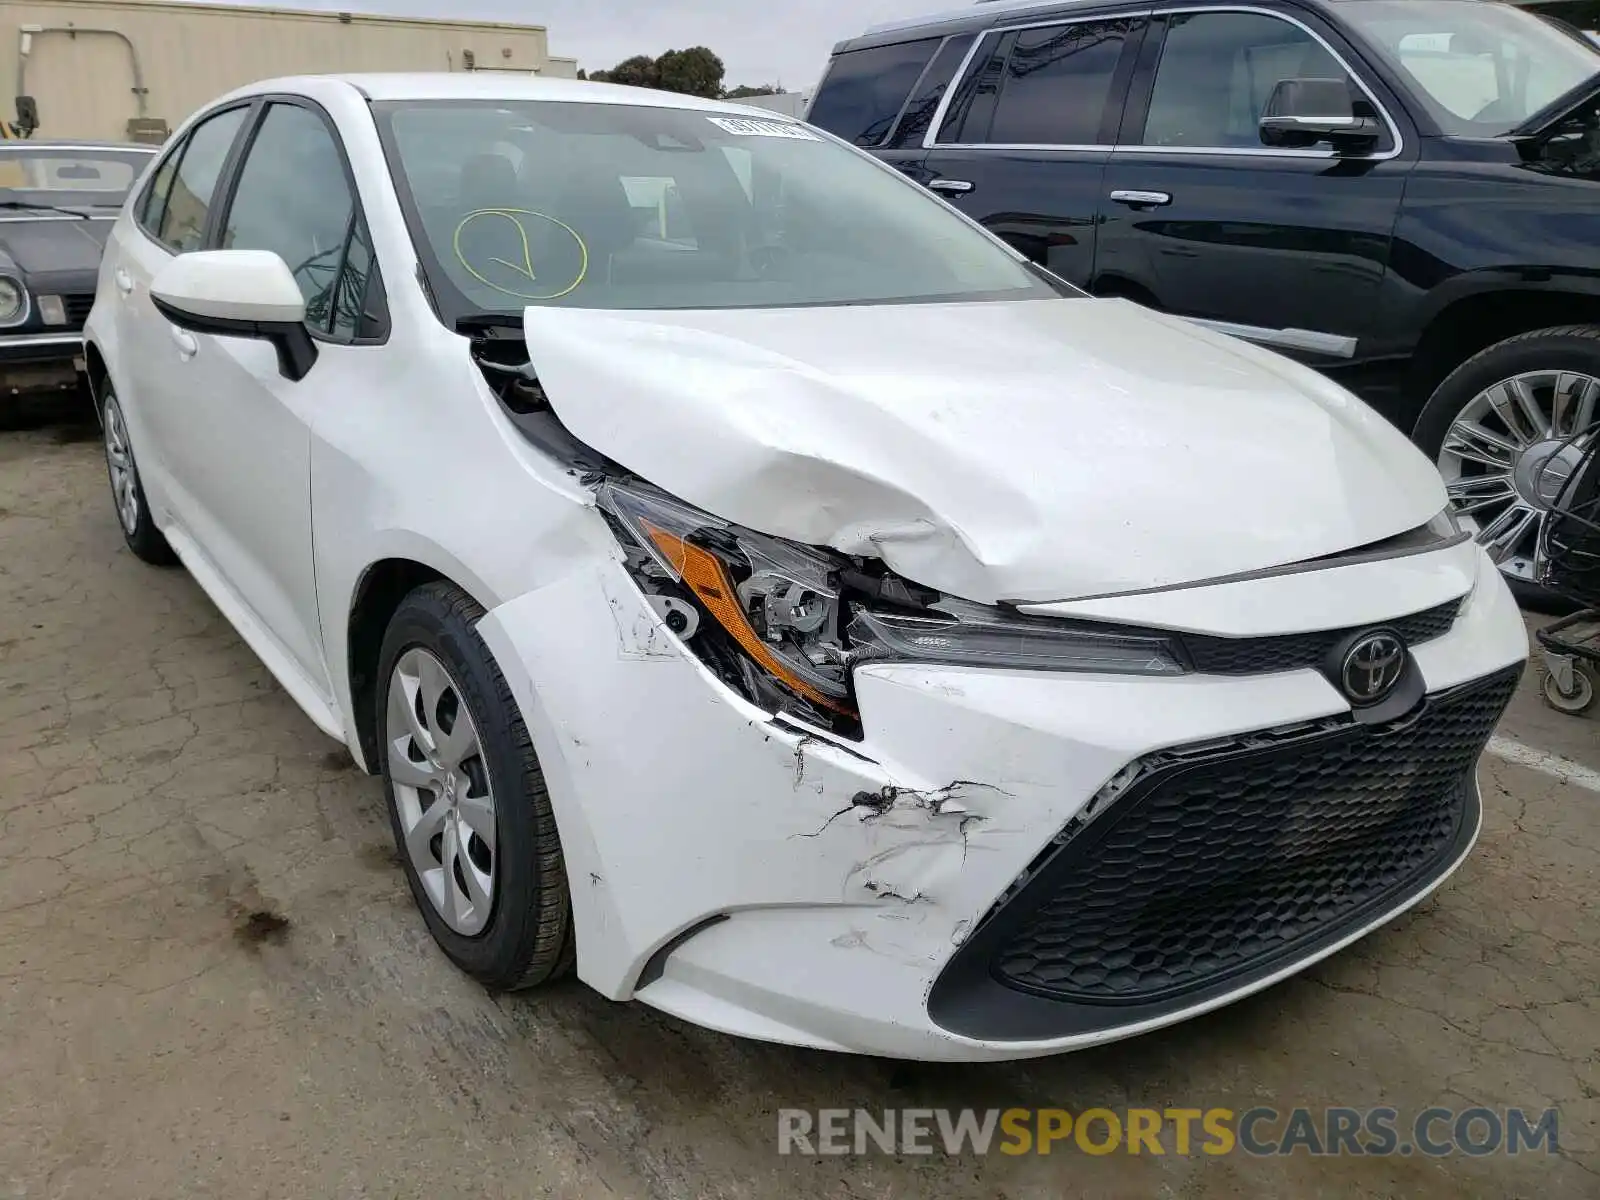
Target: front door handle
x,y
184,341
123,280
955,187
1137,199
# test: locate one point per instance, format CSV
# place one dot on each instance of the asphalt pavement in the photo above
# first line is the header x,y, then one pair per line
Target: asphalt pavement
x,y
213,981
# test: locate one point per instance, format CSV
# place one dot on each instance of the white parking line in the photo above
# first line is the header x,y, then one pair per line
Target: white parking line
x,y
1545,763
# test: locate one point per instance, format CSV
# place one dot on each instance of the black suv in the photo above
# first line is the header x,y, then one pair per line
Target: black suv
x,y
1402,193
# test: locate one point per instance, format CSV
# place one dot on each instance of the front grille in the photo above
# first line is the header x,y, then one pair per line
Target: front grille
x,y
1226,860
77,309
1291,651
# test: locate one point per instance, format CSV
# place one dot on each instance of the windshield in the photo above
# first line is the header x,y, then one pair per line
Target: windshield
x,y
632,207
69,175
1482,69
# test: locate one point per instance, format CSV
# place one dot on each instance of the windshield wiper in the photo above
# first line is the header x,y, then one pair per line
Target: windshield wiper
x,y
36,206
490,325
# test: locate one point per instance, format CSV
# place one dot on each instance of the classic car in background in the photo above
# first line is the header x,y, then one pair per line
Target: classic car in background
x,y
57,203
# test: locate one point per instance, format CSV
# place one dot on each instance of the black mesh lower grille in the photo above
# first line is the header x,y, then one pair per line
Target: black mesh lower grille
x,y
1291,651
77,309
1217,861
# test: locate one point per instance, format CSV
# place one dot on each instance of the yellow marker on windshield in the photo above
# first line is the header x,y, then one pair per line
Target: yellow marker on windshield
x,y
523,268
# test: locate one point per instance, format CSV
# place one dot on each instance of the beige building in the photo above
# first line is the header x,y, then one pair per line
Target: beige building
x,y
136,68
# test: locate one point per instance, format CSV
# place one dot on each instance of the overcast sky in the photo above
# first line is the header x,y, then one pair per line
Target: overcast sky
x,y
761,42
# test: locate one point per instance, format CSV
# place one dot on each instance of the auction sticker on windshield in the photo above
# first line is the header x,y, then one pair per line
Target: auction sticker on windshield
x,y
749,127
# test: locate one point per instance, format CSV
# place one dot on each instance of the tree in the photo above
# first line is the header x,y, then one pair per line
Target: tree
x,y
582,74
744,89
638,71
692,72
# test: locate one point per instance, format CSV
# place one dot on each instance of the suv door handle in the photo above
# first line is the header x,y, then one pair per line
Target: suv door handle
x,y
1136,199
123,280
956,187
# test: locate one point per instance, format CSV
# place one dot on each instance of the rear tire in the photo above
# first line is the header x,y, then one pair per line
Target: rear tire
x,y
1479,394
127,492
521,935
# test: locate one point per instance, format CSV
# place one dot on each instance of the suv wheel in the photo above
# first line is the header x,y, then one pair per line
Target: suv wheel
x,y
471,816
1506,429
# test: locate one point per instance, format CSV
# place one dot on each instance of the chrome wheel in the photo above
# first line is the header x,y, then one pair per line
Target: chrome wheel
x,y
1508,454
119,462
442,791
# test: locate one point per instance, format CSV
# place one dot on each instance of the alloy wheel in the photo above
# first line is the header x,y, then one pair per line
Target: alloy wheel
x,y
119,463
442,791
1508,454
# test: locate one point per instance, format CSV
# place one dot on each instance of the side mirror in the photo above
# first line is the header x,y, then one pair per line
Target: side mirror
x,y
1303,112
27,115
238,293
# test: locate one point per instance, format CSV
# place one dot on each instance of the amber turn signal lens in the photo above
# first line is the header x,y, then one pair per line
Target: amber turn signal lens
x,y
704,575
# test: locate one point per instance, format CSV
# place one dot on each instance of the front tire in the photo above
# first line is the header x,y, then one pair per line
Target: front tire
x,y
127,492
467,801
1506,429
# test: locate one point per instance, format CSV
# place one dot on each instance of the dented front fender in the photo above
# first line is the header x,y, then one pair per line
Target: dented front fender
x,y
712,805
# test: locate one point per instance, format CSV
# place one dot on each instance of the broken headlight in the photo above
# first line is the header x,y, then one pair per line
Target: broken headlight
x,y
776,602
785,622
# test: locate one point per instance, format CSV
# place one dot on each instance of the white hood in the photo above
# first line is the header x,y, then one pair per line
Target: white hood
x,y
1033,450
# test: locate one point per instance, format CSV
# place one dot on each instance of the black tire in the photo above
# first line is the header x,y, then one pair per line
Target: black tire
x,y
528,939
1562,347
142,536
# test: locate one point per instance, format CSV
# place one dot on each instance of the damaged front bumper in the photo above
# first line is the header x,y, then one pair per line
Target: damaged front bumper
x,y
884,896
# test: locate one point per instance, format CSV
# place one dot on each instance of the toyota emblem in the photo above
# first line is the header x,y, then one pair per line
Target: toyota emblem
x,y
1372,666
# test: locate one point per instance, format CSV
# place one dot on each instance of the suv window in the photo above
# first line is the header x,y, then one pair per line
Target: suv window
x,y
187,202
1217,71
865,89
1480,69
972,102
293,198
1056,84
930,90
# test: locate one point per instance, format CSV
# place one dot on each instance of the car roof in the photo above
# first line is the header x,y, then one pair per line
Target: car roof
x,y
983,10
473,85
24,145
985,13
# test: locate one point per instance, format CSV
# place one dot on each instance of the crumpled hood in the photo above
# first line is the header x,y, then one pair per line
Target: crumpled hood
x,y
1032,450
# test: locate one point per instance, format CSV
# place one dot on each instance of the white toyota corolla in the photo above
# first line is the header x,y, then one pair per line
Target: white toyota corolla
x,y
766,592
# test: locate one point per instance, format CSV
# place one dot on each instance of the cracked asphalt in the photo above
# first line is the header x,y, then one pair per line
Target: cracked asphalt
x,y
213,981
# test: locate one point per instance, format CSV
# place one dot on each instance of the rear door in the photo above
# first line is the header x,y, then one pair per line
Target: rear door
x,y
170,218
1286,247
245,456
1022,141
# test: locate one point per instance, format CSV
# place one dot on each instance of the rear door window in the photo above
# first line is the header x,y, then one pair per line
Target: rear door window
x,y
865,89
155,192
182,226
930,90
972,104
1057,84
